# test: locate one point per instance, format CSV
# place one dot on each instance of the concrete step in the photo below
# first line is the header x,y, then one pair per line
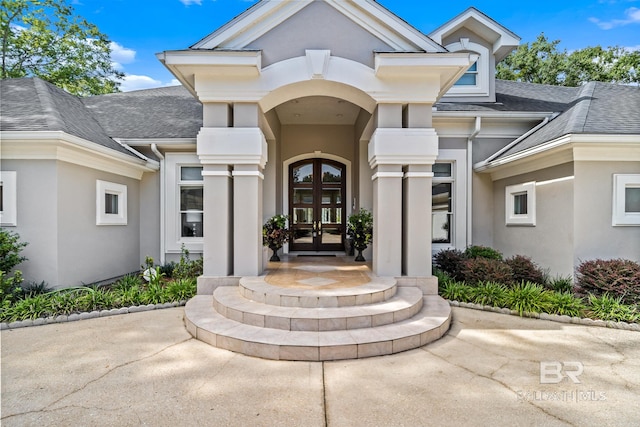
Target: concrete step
x,y
207,325
403,305
377,290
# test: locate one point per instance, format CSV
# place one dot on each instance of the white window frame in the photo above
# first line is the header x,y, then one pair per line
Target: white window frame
x,y
458,160
511,191
482,86
620,183
102,189
173,235
9,213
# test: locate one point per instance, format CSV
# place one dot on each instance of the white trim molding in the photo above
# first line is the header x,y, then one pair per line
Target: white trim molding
x,y
621,216
520,204
9,212
61,146
119,193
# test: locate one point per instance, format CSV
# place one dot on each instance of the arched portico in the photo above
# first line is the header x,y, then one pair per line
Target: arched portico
x,y
251,132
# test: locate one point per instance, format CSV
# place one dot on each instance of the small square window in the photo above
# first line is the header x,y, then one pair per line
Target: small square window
x,y
111,203
442,170
520,204
8,199
191,173
626,199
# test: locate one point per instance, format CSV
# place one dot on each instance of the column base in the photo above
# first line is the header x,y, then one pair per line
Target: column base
x,y
428,285
208,284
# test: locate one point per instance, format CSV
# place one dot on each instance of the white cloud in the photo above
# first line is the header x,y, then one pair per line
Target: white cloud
x,y
632,17
134,82
121,55
190,2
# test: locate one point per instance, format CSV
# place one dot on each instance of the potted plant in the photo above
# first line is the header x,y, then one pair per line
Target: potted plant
x,y
275,234
360,228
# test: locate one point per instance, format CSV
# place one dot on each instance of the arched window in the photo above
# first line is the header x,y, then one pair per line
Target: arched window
x,y
475,82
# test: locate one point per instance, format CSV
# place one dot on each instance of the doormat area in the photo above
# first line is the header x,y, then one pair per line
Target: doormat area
x,y
324,255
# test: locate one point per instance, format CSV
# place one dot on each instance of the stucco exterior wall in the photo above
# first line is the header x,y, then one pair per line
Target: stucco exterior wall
x,y
318,26
37,217
550,243
595,237
336,140
150,209
88,252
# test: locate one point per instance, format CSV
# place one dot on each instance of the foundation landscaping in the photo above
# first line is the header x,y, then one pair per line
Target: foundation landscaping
x,y
32,303
605,292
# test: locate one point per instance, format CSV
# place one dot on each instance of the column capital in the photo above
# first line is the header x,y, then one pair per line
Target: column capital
x,y
232,146
403,146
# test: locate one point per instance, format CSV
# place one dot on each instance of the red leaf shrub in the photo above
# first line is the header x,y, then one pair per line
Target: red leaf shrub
x,y
525,270
476,270
617,277
449,261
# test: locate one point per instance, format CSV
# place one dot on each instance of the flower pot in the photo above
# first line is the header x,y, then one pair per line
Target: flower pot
x,y
359,257
274,257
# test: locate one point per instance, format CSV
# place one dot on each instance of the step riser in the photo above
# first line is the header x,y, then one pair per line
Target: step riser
x,y
316,325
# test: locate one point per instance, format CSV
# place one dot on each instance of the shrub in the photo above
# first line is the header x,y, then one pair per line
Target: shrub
x,y
618,277
525,270
442,276
489,293
186,268
456,291
608,307
449,261
481,269
566,304
35,288
527,298
10,248
180,290
10,288
476,251
560,284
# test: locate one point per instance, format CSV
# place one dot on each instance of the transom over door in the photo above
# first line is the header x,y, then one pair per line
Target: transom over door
x,y
317,205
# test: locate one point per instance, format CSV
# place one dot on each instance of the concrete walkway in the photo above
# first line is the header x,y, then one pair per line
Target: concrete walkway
x,y
145,369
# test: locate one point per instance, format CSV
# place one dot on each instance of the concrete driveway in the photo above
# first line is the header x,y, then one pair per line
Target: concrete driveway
x,y
490,369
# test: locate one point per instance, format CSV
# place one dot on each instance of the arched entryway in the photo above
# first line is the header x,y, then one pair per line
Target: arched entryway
x,y
317,210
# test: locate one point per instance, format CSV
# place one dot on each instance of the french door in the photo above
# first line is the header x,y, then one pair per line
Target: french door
x,y
317,205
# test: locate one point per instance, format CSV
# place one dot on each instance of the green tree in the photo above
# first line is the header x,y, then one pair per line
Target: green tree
x,y
44,38
542,62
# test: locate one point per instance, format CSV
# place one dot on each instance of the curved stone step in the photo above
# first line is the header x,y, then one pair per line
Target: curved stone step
x,y
406,303
377,290
209,326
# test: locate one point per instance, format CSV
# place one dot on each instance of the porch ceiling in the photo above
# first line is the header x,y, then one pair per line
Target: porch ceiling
x,y
317,110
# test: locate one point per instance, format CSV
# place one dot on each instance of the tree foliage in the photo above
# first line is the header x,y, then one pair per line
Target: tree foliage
x,y
44,38
542,62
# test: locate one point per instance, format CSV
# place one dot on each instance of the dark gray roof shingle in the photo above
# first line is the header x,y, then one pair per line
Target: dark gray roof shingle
x,y
166,112
597,108
31,104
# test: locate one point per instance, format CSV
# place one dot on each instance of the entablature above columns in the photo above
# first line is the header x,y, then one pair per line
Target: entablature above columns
x,y
232,146
403,146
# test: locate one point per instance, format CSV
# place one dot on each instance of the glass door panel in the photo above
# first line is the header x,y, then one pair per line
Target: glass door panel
x,y
316,206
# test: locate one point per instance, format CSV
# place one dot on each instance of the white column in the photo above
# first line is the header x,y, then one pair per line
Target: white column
x,y
218,216
387,220
247,220
417,221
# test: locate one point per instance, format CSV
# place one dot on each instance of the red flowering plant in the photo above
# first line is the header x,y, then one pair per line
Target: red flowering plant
x,y
275,234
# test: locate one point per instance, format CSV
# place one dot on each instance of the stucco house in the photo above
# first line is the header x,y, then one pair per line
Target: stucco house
x,y
316,109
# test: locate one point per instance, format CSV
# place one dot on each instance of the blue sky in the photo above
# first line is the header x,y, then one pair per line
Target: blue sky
x,y
140,29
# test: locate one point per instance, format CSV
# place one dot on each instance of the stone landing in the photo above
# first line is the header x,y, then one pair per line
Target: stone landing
x,y
317,309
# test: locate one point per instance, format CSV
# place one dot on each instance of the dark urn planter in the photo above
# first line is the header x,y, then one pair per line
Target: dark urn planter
x,y
359,257
274,257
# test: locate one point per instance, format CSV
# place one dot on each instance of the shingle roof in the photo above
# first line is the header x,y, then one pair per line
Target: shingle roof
x,y
167,112
518,96
31,104
597,108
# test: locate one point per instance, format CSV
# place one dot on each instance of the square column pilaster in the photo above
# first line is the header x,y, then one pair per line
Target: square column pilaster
x,y
417,221
402,216
247,220
387,220
233,208
218,221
